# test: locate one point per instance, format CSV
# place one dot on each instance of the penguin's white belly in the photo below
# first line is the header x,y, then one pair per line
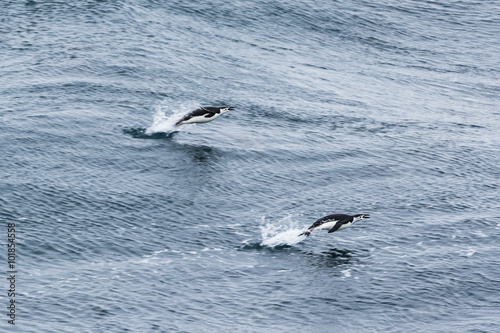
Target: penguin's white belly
x,y
329,225
343,226
200,119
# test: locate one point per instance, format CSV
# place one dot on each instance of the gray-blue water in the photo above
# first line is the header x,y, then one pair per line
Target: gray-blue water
x,y
389,108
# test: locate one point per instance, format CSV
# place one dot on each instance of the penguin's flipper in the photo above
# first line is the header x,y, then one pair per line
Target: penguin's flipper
x,y
336,226
209,115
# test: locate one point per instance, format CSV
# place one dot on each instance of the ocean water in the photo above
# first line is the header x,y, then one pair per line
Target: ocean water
x,y
125,224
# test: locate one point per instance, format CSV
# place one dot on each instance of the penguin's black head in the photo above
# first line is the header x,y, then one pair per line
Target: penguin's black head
x,y
362,216
224,109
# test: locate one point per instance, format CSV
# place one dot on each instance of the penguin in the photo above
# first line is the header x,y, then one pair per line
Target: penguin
x,y
335,222
203,114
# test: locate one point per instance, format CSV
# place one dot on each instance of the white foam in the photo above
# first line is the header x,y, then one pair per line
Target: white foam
x,y
466,253
283,232
167,114
346,273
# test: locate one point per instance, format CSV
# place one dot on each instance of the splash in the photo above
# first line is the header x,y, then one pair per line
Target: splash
x,y
167,114
283,232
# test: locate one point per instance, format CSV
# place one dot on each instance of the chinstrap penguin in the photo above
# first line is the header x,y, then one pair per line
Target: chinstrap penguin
x,y
203,114
335,222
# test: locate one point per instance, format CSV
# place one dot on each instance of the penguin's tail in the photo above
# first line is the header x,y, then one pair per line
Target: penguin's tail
x,y
307,233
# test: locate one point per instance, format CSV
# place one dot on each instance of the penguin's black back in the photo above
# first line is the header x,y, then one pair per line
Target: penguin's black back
x,y
332,217
200,112
212,109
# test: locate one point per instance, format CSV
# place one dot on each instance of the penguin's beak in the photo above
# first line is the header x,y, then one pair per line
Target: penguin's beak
x,y
366,216
230,108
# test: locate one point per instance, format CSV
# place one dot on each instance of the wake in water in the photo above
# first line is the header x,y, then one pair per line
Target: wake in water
x,y
283,232
164,119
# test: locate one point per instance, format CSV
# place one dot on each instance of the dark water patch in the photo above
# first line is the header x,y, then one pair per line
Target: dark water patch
x,y
142,133
332,258
283,248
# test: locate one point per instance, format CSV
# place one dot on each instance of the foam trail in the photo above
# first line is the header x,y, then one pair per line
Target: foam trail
x,y
167,114
284,232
